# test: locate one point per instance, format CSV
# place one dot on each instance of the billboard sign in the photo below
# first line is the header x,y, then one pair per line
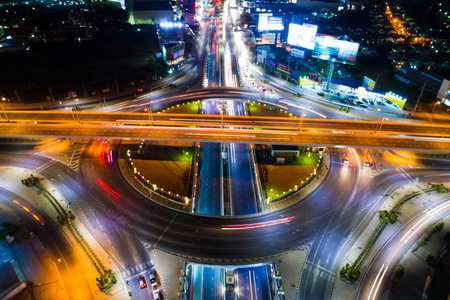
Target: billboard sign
x,y
315,77
368,83
302,35
328,47
268,38
269,22
271,63
284,68
443,90
297,53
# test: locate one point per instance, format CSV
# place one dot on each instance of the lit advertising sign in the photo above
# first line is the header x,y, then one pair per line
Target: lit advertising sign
x,y
302,35
315,77
444,90
368,83
270,63
268,38
329,47
269,22
284,68
297,53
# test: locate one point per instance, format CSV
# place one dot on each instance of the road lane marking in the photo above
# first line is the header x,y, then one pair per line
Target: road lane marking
x,y
160,237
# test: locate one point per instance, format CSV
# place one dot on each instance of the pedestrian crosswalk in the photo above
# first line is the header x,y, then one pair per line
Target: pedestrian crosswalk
x,y
373,173
136,270
404,175
318,271
44,166
74,160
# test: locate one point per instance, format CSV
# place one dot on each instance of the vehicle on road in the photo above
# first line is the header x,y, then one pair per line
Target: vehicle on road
x,y
352,103
152,276
156,295
366,162
345,161
343,101
142,283
364,106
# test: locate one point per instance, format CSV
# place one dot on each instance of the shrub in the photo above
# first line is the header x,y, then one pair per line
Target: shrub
x,y
399,270
430,259
392,285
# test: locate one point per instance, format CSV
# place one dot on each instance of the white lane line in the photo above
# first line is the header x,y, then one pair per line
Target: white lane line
x,y
160,237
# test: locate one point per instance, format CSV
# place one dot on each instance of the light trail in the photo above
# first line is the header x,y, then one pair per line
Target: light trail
x,y
32,212
304,108
108,188
257,225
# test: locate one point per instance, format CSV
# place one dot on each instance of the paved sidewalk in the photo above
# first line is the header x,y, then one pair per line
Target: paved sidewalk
x,y
343,290
10,178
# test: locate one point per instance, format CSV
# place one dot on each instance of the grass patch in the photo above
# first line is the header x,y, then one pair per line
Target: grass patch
x,y
166,164
186,108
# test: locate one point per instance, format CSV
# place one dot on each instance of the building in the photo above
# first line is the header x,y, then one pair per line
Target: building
x,y
152,12
173,52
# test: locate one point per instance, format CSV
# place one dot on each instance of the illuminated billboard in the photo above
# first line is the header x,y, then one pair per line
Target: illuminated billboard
x,y
302,35
368,83
269,22
328,47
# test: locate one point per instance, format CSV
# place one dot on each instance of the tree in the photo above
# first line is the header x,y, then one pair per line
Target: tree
x,y
8,228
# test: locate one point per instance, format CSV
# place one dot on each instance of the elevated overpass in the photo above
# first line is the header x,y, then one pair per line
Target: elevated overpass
x,y
424,129
329,138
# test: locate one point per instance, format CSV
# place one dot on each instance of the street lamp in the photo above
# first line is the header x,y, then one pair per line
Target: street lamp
x,y
150,112
381,124
437,102
301,122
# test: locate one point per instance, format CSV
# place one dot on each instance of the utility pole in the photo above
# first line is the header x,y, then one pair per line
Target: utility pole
x,y
17,94
150,113
420,96
51,94
287,71
85,93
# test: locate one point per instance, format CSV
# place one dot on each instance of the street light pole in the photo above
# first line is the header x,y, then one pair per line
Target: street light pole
x,y
420,96
437,102
301,122
381,124
150,112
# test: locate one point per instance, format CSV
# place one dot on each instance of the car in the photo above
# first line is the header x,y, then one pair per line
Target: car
x,y
371,102
388,102
366,163
97,139
395,105
272,91
104,142
343,101
359,102
156,295
345,161
352,103
142,283
153,281
364,106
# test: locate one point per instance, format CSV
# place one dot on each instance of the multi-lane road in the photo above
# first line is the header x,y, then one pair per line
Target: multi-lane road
x,y
328,218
